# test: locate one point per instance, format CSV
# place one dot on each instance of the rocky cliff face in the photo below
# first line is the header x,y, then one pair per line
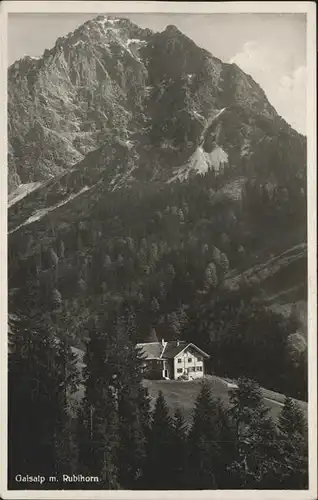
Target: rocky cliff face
x,y
110,80
62,104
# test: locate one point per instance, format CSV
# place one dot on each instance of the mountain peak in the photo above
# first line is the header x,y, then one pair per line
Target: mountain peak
x,y
171,29
173,32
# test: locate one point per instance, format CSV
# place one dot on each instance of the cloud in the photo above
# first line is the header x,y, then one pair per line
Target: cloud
x,y
284,85
292,98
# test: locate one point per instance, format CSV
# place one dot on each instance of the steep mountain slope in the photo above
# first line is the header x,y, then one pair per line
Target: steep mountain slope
x,y
60,104
109,77
108,132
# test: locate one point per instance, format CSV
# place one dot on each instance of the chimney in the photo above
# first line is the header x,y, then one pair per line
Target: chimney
x,y
178,343
163,342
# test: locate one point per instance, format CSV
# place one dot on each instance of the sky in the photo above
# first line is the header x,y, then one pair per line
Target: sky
x,y
269,47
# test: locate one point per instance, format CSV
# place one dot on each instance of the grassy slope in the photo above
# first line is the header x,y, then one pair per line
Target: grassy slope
x,y
183,394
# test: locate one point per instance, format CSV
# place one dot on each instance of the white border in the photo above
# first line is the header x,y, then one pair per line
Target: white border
x,y
308,8
158,7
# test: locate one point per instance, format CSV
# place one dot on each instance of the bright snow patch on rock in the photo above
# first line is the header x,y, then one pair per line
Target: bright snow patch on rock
x,y
27,56
132,42
43,211
217,158
119,180
200,118
112,21
21,192
106,21
201,161
137,41
207,123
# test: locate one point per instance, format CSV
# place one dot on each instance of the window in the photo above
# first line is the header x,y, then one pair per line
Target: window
x,y
189,360
193,369
179,370
199,358
199,368
179,360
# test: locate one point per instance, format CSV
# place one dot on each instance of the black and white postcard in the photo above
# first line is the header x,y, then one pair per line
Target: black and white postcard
x,y
158,257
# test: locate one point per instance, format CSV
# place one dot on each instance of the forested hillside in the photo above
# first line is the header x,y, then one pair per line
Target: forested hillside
x,y
166,251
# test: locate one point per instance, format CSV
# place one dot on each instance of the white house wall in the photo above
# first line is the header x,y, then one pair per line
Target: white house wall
x,y
190,362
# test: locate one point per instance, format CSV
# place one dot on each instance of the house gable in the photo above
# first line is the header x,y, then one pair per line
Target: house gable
x,y
189,362
177,349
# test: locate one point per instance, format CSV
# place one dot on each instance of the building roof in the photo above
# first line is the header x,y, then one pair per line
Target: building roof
x,y
151,350
173,348
170,349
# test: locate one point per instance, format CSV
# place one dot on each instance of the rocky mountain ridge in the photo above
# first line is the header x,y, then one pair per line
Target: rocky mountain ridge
x,y
110,79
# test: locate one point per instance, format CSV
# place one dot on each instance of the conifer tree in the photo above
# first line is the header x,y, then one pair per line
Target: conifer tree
x,y
179,450
153,336
291,420
67,449
67,361
37,412
132,437
144,404
98,434
255,436
158,471
293,447
115,406
173,326
209,441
